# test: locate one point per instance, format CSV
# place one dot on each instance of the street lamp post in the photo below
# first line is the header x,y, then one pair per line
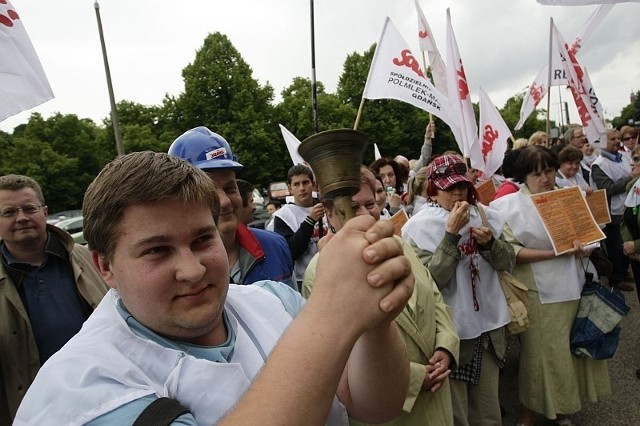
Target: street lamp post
x,y
115,122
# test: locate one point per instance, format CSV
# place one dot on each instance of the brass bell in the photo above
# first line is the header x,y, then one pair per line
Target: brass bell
x,y
335,157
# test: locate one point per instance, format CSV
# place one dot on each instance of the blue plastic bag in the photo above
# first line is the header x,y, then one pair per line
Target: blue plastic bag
x,y
596,329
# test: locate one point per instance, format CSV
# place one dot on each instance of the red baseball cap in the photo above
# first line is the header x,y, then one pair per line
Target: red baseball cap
x,y
447,170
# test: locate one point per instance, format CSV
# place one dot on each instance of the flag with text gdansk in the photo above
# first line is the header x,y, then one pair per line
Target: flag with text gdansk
x,y
494,135
396,74
23,84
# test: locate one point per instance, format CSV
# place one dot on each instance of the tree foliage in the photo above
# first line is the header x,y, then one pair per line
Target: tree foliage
x,y
64,152
629,114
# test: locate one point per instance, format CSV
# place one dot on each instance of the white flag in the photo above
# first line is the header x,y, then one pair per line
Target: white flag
x,y
587,102
23,84
428,44
538,88
581,2
466,133
396,74
376,152
494,134
292,145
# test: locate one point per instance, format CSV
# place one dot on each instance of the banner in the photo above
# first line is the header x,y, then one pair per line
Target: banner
x,y
494,134
396,74
23,84
292,145
466,133
582,2
587,102
376,152
428,44
538,89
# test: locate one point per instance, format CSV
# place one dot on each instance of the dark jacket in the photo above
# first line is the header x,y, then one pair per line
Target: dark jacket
x,y
19,357
269,257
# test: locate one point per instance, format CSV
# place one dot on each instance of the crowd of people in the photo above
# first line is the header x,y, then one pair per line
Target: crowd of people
x,y
178,312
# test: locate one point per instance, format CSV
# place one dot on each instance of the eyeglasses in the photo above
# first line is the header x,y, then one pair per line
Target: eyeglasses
x,y
451,169
636,159
628,138
578,137
13,211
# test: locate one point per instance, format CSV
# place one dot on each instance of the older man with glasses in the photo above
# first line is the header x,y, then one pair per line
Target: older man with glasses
x,y
48,288
575,137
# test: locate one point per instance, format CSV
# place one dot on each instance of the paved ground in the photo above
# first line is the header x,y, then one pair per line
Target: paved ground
x,y
621,408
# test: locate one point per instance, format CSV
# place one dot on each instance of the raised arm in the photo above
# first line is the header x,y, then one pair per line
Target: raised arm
x,y
361,266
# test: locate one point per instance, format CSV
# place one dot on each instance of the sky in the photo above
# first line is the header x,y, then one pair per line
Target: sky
x,y
503,45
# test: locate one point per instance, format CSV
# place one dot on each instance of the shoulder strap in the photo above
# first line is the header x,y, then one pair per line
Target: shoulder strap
x,y
483,215
161,412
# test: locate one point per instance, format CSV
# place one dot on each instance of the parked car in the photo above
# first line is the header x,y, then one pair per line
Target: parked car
x,y
57,217
278,191
258,200
71,225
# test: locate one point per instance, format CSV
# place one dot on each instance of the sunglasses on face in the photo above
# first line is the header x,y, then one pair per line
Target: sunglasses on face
x,y
451,169
636,159
628,138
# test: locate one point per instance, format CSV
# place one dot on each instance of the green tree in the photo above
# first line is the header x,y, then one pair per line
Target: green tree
x,y
221,94
63,153
295,109
511,114
629,114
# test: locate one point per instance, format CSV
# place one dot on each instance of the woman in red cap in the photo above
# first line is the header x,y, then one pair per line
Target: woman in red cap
x,y
463,256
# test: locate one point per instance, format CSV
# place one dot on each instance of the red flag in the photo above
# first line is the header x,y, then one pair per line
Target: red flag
x,y
538,88
428,44
466,133
494,134
587,103
23,84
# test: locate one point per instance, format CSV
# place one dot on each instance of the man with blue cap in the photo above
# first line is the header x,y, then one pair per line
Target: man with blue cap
x,y
254,254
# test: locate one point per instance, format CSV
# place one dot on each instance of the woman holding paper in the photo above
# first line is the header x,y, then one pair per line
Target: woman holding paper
x,y
463,256
551,380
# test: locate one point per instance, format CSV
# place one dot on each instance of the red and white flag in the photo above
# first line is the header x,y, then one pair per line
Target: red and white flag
x,y
396,74
582,2
587,102
428,44
292,145
538,89
23,84
494,134
466,133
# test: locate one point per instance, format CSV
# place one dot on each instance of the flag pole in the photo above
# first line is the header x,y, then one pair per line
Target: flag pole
x,y
355,125
548,128
115,122
428,68
314,88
